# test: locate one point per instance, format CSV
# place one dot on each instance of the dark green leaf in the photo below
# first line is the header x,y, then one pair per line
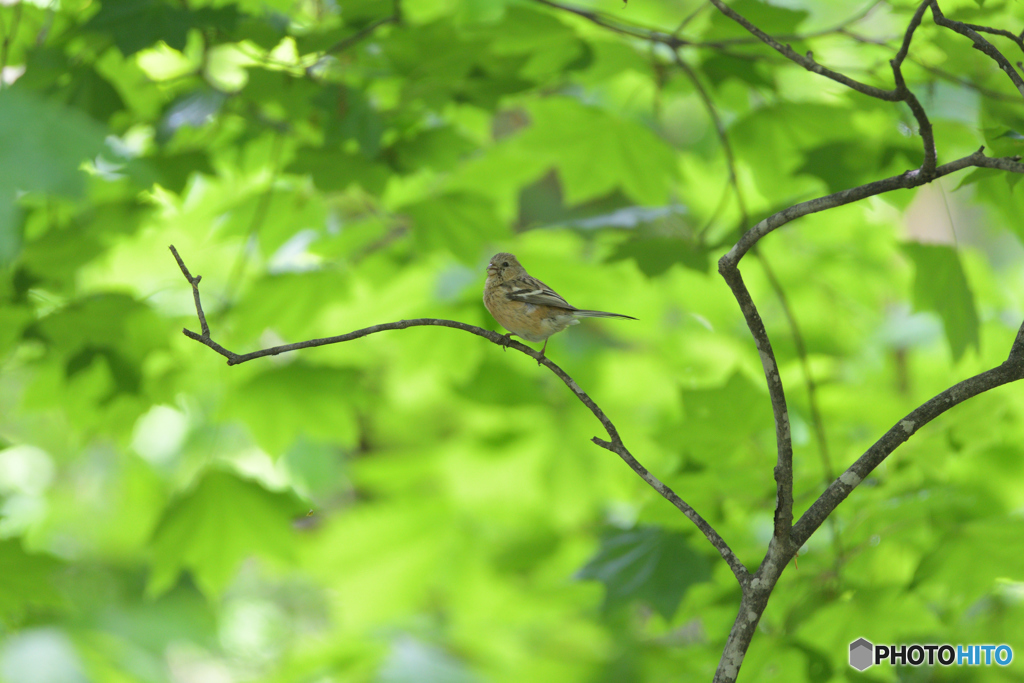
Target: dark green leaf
x,y
336,170
841,165
648,564
720,68
940,286
138,24
460,222
655,255
280,404
28,581
771,19
351,116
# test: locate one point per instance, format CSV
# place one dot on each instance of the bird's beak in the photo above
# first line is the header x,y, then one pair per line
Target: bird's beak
x,y
492,269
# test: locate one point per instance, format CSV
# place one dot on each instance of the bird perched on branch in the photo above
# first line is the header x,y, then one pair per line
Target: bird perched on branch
x,y
527,307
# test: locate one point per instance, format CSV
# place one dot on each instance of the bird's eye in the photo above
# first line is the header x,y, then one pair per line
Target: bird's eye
x,y
504,264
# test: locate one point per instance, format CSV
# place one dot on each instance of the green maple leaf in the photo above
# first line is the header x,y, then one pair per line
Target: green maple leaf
x,y
648,564
221,521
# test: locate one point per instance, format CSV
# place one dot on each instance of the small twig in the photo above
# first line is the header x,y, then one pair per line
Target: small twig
x,y
908,35
615,444
345,43
841,28
720,130
924,126
194,281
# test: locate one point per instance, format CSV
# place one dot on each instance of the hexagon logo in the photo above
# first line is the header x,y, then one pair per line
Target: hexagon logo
x,y
861,654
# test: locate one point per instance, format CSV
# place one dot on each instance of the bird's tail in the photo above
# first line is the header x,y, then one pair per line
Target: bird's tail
x,y
600,314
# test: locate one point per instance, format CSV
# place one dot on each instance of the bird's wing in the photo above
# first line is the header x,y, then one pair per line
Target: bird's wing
x,y
530,290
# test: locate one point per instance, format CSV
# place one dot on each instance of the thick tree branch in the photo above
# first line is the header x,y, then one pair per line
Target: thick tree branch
x,y
905,180
728,267
783,435
1010,371
787,540
614,444
828,472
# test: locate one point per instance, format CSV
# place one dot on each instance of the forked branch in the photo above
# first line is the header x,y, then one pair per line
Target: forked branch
x,y
788,538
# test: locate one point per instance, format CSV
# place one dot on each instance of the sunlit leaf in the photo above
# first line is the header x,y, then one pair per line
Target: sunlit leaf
x,y
940,285
282,403
219,522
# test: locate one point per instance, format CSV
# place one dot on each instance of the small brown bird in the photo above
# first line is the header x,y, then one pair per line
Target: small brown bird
x,y
527,307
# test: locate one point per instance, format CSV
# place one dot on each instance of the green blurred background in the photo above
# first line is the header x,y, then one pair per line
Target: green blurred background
x,y
419,506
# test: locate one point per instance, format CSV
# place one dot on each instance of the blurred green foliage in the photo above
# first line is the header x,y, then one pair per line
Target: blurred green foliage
x,y
418,505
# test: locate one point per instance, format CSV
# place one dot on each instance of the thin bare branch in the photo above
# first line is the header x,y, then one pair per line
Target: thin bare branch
x,y
194,281
908,35
923,124
806,61
980,43
345,43
1017,38
614,444
631,30
720,130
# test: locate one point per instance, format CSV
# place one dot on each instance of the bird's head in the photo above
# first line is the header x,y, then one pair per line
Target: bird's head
x,y
503,266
